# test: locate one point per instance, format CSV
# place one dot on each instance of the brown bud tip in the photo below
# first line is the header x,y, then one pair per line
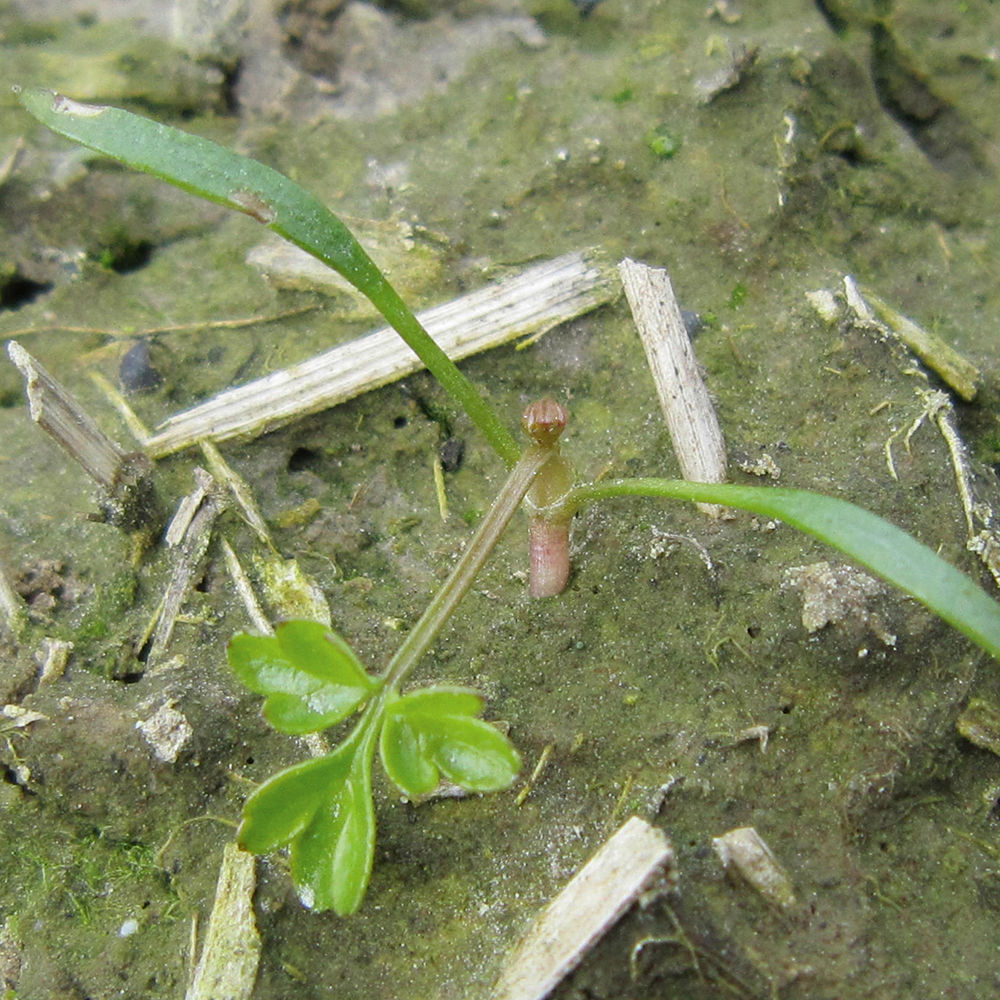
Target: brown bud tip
x,y
544,421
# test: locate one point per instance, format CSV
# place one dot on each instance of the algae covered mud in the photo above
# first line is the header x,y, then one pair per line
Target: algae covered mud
x,y
707,676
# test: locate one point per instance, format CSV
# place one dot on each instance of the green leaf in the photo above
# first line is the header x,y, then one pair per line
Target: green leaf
x,y
285,805
882,547
217,174
404,757
439,701
323,810
475,755
205,168
434,732
311,677
332,857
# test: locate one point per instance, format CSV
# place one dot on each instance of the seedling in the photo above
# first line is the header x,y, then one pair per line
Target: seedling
x,y
311,679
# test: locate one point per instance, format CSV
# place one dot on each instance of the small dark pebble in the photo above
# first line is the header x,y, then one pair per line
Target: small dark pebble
x,y
693,322
451,453
136,372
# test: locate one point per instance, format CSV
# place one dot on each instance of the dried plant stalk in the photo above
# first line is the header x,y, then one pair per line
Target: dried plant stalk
x,y
58,413
127,492
691,420
227,969
627,865
534,301
191,534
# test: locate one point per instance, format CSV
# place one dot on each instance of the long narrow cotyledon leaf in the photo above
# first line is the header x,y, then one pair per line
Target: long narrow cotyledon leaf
x,y
211,171
882,547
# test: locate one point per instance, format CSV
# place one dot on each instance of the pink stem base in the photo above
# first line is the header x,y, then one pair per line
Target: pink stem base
x,y
548,543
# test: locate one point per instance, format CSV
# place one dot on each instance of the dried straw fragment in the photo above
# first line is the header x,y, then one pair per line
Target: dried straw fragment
x,y
227,968
745,852
536,300
191,532
245,591
128,494
13,610
691,419
60,415
627,865
958,372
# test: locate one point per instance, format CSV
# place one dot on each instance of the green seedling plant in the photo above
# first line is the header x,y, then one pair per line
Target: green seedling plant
x,y
322,809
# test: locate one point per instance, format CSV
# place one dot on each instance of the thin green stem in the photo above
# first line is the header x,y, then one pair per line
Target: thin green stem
x,y
402,320
362,736
868,539
471,561
368,728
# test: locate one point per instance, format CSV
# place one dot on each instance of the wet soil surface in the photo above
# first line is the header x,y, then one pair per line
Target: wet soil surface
x,y
761,152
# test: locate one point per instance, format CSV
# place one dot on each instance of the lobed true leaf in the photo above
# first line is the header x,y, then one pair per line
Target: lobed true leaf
x,y
403,758
311,677
475,755
332,857
281,808
434,732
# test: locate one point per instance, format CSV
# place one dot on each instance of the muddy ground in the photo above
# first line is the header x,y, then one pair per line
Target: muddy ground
x,y
760,151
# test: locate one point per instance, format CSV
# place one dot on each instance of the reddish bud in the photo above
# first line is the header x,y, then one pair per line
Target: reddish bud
x,y
544,421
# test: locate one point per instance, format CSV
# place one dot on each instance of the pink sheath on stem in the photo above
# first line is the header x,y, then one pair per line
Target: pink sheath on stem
x,y
548,542
548,538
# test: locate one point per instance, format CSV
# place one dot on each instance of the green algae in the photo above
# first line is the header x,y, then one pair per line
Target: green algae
x,y
883,818
112,59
